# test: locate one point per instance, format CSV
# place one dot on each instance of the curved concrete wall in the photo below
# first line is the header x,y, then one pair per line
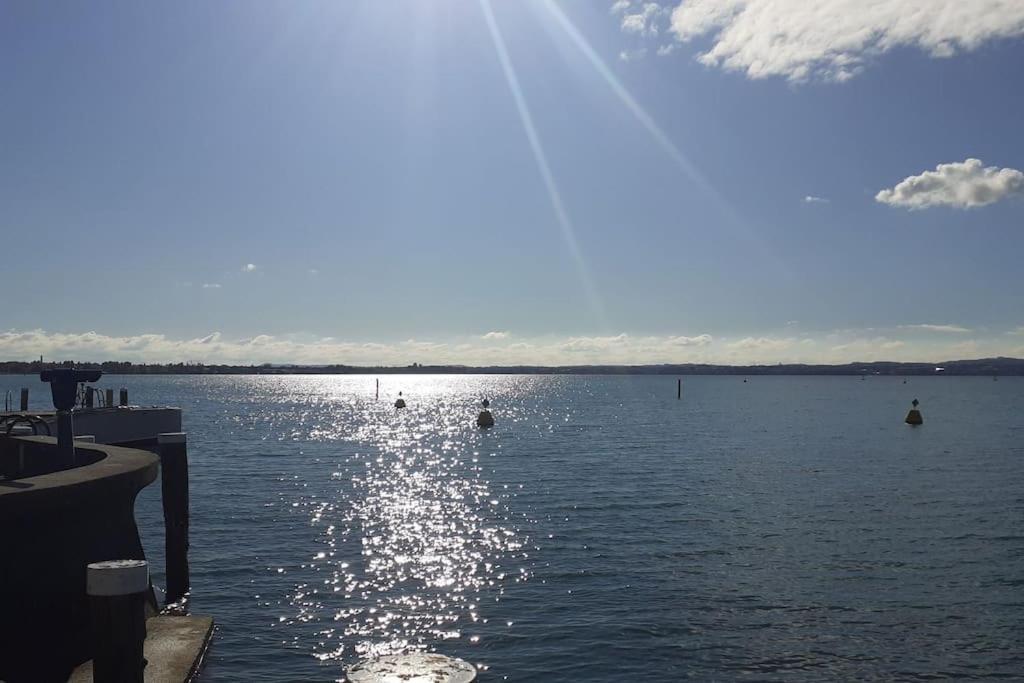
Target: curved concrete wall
x,y
52,525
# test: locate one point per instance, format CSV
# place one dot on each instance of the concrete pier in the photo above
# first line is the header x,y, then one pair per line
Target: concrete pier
x,y
174,650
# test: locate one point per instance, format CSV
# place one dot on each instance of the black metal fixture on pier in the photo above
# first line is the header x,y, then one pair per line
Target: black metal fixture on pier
x,y
64,387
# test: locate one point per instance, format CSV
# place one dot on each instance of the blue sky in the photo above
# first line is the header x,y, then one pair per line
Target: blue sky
x,y
575,182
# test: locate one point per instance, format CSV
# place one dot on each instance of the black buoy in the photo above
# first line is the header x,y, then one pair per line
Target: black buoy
x,y
485,419
914,416
400,403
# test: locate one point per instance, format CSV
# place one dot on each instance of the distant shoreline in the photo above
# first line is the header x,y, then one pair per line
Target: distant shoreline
x,y
979,367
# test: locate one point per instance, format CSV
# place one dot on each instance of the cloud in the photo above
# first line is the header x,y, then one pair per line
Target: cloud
x,y
963,185
833,40
211,285
633,55
811,199
620,6
313,272
495,335
956,329
623,349
249,268
644,21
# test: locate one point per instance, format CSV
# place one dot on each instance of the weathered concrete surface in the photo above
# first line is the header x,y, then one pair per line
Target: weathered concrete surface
x,y
53,525
174,649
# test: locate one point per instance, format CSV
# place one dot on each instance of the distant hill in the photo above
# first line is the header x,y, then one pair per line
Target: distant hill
x,y
983,366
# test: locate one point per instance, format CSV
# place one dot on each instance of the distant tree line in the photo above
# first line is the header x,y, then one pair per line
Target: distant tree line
x,y
985,366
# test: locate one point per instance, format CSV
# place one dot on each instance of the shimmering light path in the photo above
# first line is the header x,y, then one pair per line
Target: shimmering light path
x,y
782,529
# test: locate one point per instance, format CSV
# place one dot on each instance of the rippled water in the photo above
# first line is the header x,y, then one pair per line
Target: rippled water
x,y
778,529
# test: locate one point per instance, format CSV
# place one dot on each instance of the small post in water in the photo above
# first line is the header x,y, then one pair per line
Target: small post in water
x,y
117,600
914,416
174,491
110,397
679,389
124,397
24,399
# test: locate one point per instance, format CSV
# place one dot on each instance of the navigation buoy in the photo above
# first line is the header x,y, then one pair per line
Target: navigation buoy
x,y
415,667
400,403
914,416
485,419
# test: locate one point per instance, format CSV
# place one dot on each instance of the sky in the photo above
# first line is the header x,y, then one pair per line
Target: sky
x,y
498,182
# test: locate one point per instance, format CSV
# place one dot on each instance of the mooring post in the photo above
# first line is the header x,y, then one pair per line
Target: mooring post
x,y
109,397
679,388
174,491
24,399
117,599
124,396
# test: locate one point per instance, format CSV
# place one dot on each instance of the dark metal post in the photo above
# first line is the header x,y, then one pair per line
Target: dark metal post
x,y
64,387
24,399
90,397
123,397
117,599
174,490
109,398
679,388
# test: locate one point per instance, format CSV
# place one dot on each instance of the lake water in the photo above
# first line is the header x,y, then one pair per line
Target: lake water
x,y
783,528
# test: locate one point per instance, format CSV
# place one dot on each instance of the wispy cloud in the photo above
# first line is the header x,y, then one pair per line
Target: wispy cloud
x,y
963,185
211,285
632,55
626,349
249,268
495,335
641,18
955,329
811,199
828,40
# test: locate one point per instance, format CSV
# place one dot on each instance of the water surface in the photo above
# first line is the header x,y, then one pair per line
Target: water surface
x,y
783,528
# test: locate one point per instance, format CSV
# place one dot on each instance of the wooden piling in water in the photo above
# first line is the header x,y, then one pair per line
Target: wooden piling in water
x,y
24,399
123,397
117,601
679,389
174,491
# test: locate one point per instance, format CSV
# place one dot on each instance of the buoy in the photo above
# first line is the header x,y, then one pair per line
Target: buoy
x,y
914,416
415,667
485,419
400,403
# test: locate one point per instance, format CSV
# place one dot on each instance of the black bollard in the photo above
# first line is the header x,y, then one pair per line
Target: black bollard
x,y
174,490
123,397
117,600
24,399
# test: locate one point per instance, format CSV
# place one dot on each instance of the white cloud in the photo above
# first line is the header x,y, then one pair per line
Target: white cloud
x,y
495,335
249,268
620,6
211,285
965,184
811,199
833,40
625,349
956,329
644,21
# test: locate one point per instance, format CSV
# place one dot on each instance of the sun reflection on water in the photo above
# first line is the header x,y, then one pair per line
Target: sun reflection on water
x,y
415,541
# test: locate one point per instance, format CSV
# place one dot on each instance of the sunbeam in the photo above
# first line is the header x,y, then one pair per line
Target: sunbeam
x,y
564,221
659,135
